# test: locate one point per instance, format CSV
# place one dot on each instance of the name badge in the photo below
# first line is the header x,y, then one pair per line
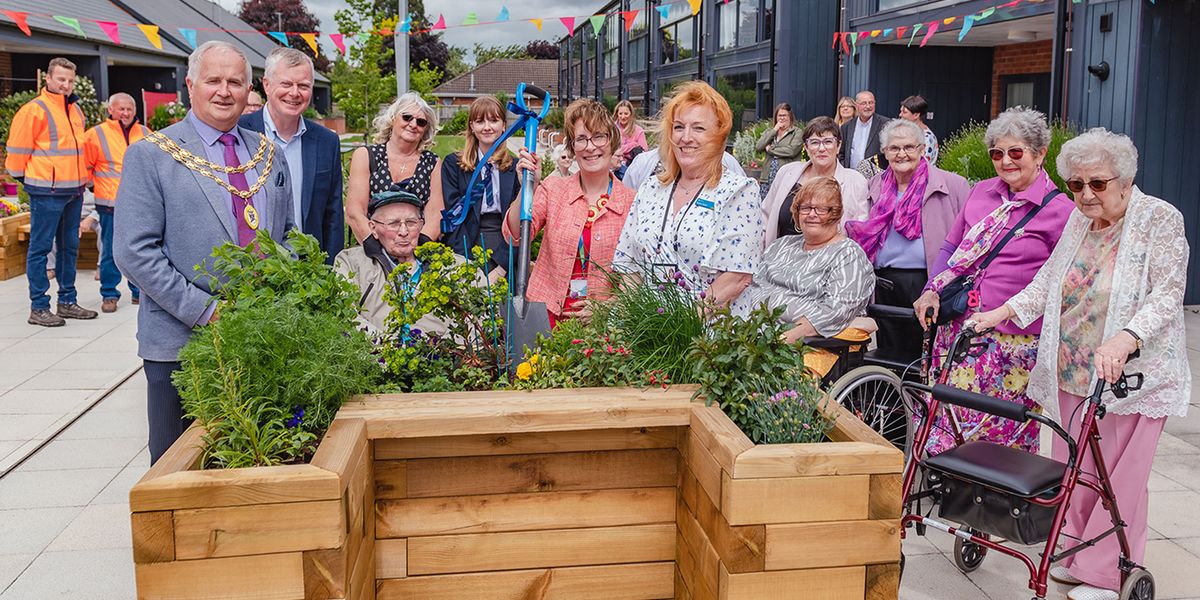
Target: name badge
x,y
702,203
662,273
579,288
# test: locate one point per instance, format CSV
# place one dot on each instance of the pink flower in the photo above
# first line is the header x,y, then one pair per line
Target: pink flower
x,y
588,352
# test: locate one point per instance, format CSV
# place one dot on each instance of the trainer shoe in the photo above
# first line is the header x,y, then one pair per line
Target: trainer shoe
x,y
75,311
1087,592
45,318
1062,574
109,305
136,300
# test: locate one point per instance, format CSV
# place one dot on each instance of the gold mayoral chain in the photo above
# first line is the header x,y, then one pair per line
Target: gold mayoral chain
x,y
206,168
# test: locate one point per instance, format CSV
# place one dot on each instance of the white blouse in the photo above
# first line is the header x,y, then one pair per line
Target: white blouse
x,y
1147,297
720,230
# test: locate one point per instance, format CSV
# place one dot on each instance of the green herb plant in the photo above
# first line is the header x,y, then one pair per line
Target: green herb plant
x,y
966,154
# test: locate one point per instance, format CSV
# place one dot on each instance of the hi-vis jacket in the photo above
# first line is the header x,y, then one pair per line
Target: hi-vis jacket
x,y
104,149
45,145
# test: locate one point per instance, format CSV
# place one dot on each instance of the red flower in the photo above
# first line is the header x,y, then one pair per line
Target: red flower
x,y
608,349
588,352
576,341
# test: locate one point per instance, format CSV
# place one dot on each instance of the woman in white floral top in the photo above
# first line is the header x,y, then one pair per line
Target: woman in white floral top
x,y
1113,285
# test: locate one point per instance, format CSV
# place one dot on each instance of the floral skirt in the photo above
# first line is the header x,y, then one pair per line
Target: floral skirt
x,y
1001,371
772,170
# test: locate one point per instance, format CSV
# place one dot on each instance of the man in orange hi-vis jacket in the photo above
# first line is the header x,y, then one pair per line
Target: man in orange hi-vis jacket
x,y
104,154
45,153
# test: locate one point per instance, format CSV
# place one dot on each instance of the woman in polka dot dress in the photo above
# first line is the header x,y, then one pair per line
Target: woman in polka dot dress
x,y
405,130
695,217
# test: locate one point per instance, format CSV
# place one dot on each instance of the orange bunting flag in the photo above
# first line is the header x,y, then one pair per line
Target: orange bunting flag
x,y
311,39
629,16
151,33
536,23
20,19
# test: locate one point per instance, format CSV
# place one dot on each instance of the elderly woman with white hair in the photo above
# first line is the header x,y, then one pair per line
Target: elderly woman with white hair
x,y
403,133
1113,285
980,252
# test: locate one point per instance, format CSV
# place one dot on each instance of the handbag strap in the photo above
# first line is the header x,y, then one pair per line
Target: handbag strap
x,y
1011,232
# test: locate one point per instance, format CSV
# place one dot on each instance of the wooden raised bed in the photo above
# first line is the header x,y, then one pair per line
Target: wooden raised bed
x,y
575,494
13,248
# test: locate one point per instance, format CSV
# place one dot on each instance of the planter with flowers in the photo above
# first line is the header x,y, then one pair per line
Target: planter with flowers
x,y
13,216
599,471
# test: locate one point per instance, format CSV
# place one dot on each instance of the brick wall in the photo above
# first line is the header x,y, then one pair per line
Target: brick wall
x,y
1019,59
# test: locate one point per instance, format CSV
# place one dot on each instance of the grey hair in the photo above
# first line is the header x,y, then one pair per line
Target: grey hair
x,y
121,96
1099,147
289,57
387,118
1025,124
197,56
896,127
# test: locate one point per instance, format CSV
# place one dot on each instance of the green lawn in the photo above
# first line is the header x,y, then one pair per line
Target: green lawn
x,y
444,145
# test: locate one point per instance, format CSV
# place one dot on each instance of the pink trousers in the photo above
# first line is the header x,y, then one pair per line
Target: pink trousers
x,y
1127,443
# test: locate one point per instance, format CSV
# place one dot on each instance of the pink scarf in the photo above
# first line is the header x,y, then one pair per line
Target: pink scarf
x,y
904,214
978,241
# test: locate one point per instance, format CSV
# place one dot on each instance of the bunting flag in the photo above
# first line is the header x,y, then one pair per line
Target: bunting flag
x,y
280,37
441,22
933,27
985,13
900,32
1010,4
875,33
336,38
854,43
916,28
630,16
472,19
597,22
536,23
311,40
862,35
837,35
73,23
845,46
406,25
887,32
362,37
21,19
968,21
695,6
664,12
189,35
111,30
949,20
503,16
151,33
569,23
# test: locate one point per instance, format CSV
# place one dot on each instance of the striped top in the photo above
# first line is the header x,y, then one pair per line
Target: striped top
x,y
830,285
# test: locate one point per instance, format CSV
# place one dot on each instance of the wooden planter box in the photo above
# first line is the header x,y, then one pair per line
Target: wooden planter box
x,y
575,494
13,246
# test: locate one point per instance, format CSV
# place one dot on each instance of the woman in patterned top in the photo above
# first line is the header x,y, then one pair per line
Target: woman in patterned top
x,y
695,217
1112,286
913,109
404,132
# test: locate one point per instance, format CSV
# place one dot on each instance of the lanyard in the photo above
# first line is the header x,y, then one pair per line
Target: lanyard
x,y
583,253
667,213
414,280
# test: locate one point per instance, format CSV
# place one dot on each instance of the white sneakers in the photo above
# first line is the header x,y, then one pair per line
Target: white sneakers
x,y
1087,592
1062,575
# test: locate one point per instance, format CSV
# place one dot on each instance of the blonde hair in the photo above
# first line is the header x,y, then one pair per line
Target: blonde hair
x,y
481,108
627,105
386,121
687,95
837,112
595,117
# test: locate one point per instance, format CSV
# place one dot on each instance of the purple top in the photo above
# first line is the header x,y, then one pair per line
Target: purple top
x,y
1024,254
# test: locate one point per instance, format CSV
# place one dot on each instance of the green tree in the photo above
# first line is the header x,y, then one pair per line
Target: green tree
x,y
484,54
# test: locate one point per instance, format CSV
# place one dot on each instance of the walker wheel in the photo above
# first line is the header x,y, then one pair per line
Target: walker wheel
x,y
1139,585
967,554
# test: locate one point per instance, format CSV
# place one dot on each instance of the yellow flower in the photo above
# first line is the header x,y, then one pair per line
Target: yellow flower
x,y
524,371
533,360
1016,380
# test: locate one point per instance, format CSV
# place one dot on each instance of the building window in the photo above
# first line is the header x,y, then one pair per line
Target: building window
x,y
678,35
890,4
738,24
612,40
768,19
740,89
639,44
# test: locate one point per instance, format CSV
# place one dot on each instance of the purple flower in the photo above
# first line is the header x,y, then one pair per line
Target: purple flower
x,y
415,332
661,310
703,295
695,268
297,416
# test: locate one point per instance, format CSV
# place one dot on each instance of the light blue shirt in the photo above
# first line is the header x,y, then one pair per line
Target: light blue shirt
x,y
495,174
899,252
293,150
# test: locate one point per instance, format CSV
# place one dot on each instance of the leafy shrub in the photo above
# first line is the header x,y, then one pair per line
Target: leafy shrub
x,y
456,124
9,106
165,115
745,141
966,154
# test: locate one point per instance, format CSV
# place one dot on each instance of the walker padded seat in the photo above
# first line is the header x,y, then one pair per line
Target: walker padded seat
x,y
1008,469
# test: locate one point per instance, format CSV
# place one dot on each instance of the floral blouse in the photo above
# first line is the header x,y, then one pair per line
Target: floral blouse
x,y
720,230
1085,294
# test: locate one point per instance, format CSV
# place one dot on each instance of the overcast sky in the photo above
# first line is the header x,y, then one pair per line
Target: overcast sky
x,y
517,31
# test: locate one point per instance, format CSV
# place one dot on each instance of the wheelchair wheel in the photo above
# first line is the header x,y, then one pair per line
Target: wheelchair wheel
x,y
967,554
875,395
1139,585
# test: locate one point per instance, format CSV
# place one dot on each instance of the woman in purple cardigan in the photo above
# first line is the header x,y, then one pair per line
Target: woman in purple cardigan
x,y
1017,141
913,206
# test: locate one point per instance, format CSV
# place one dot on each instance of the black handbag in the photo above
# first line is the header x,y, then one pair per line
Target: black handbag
x,y
955,297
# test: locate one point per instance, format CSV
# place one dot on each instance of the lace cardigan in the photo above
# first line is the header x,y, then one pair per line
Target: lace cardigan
x,y
1147,297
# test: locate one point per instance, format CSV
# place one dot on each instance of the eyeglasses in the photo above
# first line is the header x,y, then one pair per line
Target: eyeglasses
x,y
1015,153
1097,185
400,226
422,121
600,140
906,149
820,211
816,143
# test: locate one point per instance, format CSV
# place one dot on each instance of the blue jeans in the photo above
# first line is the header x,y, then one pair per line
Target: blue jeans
x,y
110,277
52,219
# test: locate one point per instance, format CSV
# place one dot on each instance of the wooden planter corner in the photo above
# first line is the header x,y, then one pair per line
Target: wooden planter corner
x,y
575,494
13,247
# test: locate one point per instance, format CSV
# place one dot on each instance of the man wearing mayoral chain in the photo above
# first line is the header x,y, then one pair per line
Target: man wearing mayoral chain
x,y
185,190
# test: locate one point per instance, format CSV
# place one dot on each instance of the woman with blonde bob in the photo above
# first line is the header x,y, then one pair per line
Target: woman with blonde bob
x,y
632,134
1112,286
695,217
403,133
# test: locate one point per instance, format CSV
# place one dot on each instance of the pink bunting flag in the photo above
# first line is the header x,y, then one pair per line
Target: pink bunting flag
x,y
569,23
111,30
862,35
337,40
629,16
20,19
933,27
441,22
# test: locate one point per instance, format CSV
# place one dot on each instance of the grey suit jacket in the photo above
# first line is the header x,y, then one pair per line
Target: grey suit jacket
x,y
167,220
873,148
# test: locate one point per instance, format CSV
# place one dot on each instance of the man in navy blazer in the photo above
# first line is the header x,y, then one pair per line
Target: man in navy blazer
x,y
313,152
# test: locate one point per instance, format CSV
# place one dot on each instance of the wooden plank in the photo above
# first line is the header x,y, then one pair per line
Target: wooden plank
x,y
265,577
391,559
534,473
527,443
261,529
391,479
849,428
643,581
540,549
832,544
234,487
153,536
807,460
720,435
681,394
325,573
362,576
681,590
705,467
341,448
843,583
519,512
183,455
704,563
883,582
741,548
886,497
795,499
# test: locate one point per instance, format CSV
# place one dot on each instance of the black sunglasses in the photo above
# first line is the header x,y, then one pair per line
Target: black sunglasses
x,y
1097,185
422,121
1015,153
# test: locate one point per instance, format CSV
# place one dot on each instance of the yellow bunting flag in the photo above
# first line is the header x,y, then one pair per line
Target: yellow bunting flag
x,y
695,6
536,23
151,33
949,20
311,39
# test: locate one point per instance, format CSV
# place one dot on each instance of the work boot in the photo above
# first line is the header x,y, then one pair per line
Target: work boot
x,y
109,305
136,300
75,311
45,318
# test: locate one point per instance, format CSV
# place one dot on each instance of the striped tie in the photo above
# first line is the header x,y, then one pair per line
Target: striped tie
x,y
489,196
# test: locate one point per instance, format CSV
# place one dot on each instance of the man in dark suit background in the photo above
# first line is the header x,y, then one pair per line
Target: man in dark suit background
x,y
860,136
313,152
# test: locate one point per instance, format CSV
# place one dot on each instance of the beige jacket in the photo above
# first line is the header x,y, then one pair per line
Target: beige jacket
x,y
371,279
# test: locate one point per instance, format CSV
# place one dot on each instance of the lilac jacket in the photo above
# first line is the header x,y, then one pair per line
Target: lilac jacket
x,y
944,197
1024,254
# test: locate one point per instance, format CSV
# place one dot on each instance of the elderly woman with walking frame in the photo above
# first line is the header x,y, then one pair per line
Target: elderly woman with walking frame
x,y
1111,296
